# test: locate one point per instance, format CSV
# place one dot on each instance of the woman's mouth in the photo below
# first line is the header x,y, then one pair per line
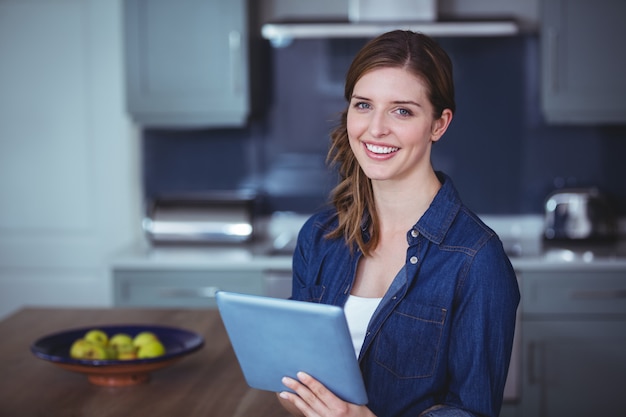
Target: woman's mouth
x,y
381,150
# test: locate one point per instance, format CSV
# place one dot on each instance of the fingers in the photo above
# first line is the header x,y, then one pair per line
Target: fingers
x,y
315,388
307,394
301,386
288,403
298,406
310,388
313,398
297,399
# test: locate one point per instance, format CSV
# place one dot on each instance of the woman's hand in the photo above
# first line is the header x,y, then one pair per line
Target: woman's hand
x,y
313,399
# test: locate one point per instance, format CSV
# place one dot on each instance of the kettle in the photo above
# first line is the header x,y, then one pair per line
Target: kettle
x,y
578,214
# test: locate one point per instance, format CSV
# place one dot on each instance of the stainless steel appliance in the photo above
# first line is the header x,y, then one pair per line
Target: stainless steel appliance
x,y
579,214
215,217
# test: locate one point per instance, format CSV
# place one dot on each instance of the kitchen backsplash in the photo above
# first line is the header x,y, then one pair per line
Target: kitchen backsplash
x,y
502,156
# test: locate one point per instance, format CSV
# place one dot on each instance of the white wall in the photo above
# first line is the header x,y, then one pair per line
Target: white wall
x,y
69,160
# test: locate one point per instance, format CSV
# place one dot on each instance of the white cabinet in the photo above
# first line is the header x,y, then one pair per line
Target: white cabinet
x,y
194,287
178,288
583,61
187,62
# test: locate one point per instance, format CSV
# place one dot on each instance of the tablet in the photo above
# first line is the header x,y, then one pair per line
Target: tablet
x,y
275,337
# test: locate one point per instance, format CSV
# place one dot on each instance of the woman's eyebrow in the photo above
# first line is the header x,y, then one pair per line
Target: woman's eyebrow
x,y
394,102
407,102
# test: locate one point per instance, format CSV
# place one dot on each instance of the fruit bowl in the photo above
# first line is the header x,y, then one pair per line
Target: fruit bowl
x,y
55,348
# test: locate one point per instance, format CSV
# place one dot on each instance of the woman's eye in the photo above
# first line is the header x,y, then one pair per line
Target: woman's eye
x,y
361,105
404,112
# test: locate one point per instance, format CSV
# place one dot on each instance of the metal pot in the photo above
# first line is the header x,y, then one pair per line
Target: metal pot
x,y
578,214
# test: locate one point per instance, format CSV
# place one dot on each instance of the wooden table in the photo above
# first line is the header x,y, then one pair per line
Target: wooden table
x,y
207,383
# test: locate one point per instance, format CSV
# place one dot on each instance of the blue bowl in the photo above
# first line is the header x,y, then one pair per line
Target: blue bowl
x,y
55,348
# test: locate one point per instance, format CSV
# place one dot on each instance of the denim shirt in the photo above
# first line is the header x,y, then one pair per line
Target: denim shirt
x,y
443,333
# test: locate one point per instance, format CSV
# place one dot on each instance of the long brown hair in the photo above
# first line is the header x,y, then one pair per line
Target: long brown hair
x,y
353,197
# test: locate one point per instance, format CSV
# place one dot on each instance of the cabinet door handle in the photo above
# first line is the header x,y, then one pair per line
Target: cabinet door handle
x,y
234,45
598,294
200,292
534,363
552,40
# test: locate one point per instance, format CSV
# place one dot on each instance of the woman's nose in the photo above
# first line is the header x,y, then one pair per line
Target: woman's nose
x,y
378,125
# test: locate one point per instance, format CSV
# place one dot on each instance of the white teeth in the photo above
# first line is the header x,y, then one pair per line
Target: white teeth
x,y
380,149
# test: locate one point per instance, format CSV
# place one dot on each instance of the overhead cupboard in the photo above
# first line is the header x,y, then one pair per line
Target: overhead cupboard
x,y
582,61
187,62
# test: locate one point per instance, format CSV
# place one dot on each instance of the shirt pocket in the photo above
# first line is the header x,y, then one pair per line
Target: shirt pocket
x,y
409,343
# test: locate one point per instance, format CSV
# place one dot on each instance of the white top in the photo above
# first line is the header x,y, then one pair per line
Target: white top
x,y
359,311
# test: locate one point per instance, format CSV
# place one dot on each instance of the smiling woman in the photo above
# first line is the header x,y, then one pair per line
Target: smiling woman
x,y
390,119
439,336
416,87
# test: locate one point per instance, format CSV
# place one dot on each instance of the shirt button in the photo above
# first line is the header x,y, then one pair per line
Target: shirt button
x,y
413,260
414,233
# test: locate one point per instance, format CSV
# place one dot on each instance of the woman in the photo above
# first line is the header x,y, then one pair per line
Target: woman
x,y
429,294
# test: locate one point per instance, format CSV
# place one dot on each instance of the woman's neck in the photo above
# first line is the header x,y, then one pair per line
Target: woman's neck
x,y
400,206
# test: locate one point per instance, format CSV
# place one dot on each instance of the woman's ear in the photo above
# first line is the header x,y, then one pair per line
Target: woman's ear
x,y
441,124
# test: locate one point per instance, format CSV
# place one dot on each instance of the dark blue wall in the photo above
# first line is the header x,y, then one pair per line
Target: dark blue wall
x,y
500,153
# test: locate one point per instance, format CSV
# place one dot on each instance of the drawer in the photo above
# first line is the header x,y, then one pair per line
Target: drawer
x,y
181,288
574,292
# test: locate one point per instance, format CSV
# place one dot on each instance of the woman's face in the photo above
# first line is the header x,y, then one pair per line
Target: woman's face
x,y
391,126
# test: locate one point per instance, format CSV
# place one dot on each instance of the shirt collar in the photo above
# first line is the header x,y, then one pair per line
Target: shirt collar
x,y
436,221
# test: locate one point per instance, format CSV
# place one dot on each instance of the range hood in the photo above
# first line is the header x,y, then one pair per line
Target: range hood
x,y
370,18
283,33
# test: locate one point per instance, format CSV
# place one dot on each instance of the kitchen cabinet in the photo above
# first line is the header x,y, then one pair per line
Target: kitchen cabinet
x,y
179,288
195,288
574,343
582,64
187,62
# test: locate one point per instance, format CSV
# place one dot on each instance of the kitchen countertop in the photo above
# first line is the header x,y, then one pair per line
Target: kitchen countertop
x,y
244,258
206,383
521,236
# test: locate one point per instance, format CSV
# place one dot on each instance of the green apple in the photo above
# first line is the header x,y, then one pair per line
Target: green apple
x,y
120,339
151,350
126,352
85,349
111,352
144,337
78,348
97,336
